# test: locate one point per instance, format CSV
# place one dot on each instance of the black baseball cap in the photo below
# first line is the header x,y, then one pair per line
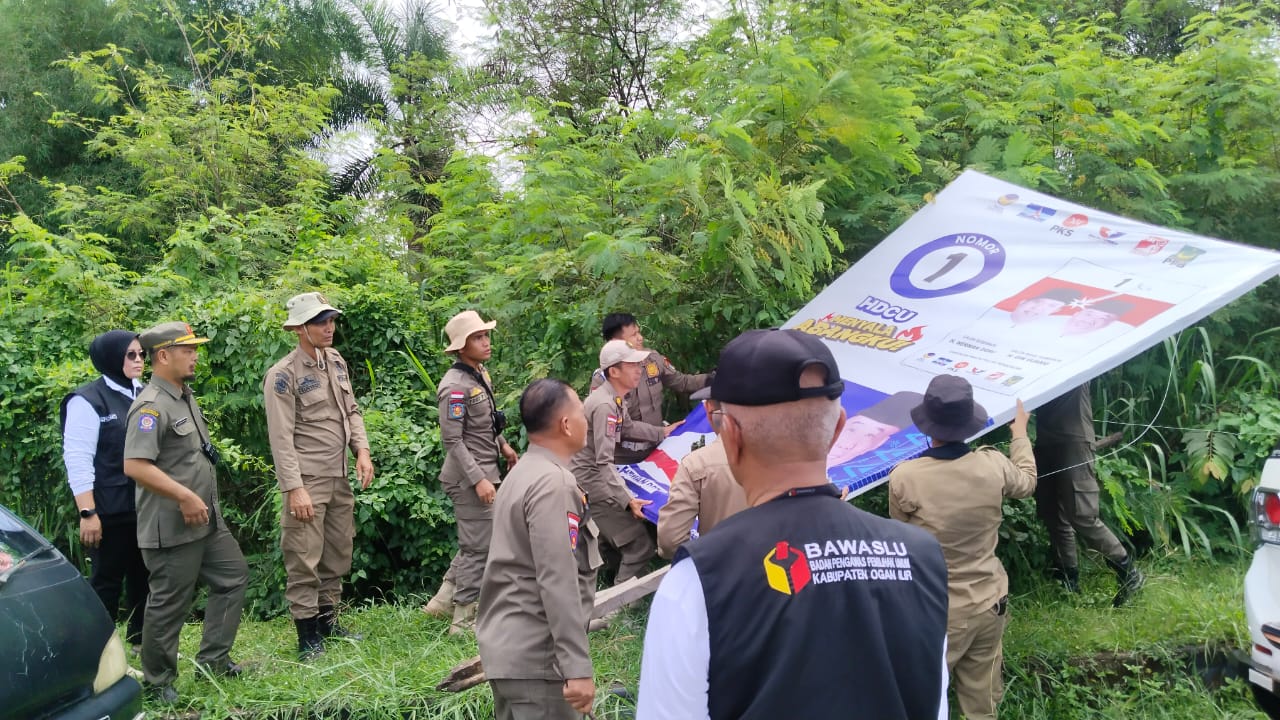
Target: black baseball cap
x,y
763,367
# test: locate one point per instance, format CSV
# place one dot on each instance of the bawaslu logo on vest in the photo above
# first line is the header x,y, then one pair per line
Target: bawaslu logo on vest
x,y
786,569
789,568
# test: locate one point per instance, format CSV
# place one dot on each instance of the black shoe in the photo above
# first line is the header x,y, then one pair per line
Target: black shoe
x,y
310,642
229,669
1129,578
162,694
330,628
1069,577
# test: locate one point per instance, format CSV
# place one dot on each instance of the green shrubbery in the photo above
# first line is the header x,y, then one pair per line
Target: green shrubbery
x,y
787,139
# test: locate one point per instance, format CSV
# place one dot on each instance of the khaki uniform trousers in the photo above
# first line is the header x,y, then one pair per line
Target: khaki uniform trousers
x,y
975,660
317,554
531,700
475,528
628,536
1067,502
217,562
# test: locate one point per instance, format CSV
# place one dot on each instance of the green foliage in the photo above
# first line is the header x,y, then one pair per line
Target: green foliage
x,y
722,182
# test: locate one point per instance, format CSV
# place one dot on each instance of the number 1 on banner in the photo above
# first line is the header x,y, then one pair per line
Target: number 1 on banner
x,y
952,261
930,258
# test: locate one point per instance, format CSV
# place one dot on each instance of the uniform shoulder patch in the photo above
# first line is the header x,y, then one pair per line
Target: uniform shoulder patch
x,y
281,383
147,421
574,521
666,365
457,405
611,429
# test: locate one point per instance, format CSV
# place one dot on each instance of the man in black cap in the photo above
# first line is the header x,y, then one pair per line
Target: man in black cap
x,y
958,495
800,593
181,529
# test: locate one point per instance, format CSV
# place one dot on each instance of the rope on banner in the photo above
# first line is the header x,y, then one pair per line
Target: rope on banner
x,y
1145,429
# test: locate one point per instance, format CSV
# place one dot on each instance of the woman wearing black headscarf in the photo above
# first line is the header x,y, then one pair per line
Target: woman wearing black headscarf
x,y
93,430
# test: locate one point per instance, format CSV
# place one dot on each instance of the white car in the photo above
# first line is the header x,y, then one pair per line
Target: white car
x,y
1262,591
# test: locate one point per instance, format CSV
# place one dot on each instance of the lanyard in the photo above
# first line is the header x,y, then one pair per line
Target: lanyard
x,y
809,491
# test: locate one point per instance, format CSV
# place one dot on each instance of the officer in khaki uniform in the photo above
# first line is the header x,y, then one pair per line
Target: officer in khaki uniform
x,y
312,419
1067,496
703,489
471,431
181,530
644,403
957,494
539,583
617,513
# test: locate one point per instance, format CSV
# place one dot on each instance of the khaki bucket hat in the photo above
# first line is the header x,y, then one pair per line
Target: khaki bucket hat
x,y
307,307
462,326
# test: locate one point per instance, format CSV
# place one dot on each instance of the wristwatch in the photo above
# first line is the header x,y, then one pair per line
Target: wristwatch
x,y
88,512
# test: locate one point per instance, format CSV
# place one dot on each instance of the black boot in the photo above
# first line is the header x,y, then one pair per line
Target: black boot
x,y
329,626
1068,576
310,642
1128,577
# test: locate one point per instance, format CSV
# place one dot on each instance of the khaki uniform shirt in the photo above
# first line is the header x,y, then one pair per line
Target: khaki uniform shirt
x,y
167,427
645,402
1066,419
593,465
540,578
312,417
466,430
960,501
702,489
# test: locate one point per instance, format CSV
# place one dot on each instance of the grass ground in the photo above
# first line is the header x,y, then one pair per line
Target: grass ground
x,y
1066,658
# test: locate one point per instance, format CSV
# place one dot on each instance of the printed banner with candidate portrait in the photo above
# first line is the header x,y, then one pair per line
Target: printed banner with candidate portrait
x,y
1023,294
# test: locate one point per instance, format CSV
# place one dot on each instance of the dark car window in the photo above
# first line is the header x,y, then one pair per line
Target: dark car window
x,y
19,544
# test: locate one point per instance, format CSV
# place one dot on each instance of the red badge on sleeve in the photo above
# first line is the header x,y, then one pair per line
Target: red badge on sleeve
x,y
457,405
573,531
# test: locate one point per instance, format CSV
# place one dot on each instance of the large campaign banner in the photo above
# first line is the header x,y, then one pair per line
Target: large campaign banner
x,y
1023,294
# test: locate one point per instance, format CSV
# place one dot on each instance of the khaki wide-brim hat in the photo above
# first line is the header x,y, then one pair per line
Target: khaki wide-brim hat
x,y
307,307
462,326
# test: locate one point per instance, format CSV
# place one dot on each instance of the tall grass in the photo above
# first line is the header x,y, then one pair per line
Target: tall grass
x,y
1067,658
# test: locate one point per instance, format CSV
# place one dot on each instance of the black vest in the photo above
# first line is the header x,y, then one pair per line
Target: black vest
x,y
819,610
113,491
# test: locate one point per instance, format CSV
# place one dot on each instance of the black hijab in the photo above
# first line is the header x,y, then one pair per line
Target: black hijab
x,y
107,353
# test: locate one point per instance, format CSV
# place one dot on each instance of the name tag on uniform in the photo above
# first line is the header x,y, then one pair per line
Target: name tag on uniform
x,y
477,396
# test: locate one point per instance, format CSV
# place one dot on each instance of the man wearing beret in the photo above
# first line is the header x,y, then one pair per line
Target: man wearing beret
x,y
312,420
181,529
800,602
